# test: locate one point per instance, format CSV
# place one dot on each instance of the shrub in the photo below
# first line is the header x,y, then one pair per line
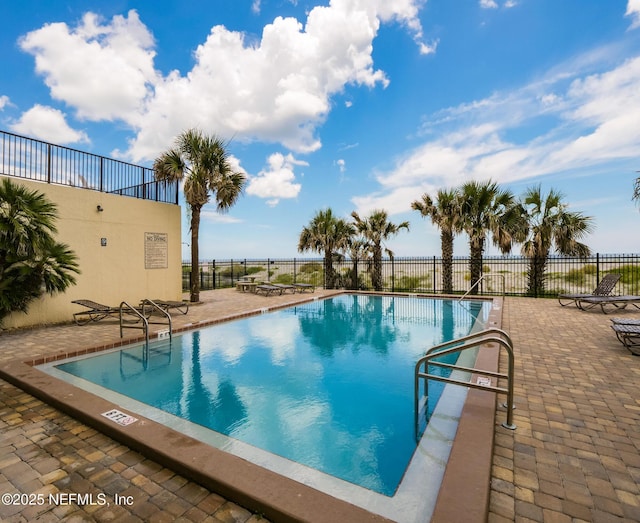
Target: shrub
x,y
311,267
575,276
285,278
32,262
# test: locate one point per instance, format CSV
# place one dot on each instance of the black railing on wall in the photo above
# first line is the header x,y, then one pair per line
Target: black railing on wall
x,y
35,160
563,274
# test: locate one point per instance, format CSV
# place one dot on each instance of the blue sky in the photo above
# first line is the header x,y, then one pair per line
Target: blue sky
x,y
348,104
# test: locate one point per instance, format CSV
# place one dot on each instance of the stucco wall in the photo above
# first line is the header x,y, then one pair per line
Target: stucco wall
x,y
116,271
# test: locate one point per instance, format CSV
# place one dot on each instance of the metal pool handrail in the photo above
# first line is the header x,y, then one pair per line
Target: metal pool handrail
x,y
163,312
458,345
127,307
124,306
484,277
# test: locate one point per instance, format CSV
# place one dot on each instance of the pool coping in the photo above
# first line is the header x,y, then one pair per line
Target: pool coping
x,y
258,489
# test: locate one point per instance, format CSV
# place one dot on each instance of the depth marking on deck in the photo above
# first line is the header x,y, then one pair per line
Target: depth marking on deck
x,y
119,417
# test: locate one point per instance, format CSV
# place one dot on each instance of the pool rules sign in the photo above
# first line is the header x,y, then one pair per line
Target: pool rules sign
x,y
156,250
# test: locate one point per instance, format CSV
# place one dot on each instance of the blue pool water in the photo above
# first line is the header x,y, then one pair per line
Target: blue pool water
x,y
328,383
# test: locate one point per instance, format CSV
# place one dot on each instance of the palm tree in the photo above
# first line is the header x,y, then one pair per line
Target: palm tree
x,y
357,252
487,209
549,225
636,190
202,162
326,234
376,229
31,261
445,214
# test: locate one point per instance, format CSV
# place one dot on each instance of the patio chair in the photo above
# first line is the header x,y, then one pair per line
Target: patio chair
x,y
97,311
604,288
180,306
303,287
626,321
268,289
618,302
629,336
284,286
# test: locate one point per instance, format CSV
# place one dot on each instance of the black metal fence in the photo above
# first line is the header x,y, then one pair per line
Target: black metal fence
x,y
563,274
31,159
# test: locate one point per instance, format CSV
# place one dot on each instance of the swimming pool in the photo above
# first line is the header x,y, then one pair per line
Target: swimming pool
x,y
326,384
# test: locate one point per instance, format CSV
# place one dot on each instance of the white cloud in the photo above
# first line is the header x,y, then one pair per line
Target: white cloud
x,y
277,180
341,165
492,4
276,88
48,124
217,217
4,101
488,4
590,119
633,11
103,71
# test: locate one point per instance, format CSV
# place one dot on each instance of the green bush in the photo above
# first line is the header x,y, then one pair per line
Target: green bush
x,y
629,273
239,270
311,267
575,276
285,278
411,283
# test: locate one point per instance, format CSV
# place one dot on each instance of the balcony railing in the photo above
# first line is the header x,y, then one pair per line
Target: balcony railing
x,y
31,159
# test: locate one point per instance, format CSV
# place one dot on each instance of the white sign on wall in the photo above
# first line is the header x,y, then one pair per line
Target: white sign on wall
x,y
156,250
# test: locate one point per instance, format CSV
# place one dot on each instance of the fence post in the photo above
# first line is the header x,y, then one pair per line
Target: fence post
x,y
597,267
294,270
48,163
393,276
356,284
434,274
213,268
101,174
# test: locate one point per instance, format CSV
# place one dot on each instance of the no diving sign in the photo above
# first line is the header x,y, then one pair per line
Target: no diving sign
x,y
119,417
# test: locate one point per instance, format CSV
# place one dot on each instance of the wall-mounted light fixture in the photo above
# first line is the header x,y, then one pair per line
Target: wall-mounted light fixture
x,y
99,208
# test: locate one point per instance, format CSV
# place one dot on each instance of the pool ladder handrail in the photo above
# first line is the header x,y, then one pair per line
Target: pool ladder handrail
x,y
484,277
492,335
127,307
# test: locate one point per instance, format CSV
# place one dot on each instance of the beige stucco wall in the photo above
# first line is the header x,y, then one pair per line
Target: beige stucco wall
x,y
111,273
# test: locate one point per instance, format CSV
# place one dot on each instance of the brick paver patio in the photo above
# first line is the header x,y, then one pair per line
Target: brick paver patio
x,y
575,455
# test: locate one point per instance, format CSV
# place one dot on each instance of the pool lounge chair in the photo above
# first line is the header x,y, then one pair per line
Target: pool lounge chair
x,y
604,288
618,302
97,311
268,289
167,305
284,286
629,336
303,287
626,321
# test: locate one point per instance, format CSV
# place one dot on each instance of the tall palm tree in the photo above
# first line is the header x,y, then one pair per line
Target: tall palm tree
x,y
636,190
32,262
445,214
203,163
357,252
376,229
328,234
487,209
550,224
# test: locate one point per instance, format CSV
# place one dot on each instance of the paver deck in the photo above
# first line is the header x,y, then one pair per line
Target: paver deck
x,y
575,455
